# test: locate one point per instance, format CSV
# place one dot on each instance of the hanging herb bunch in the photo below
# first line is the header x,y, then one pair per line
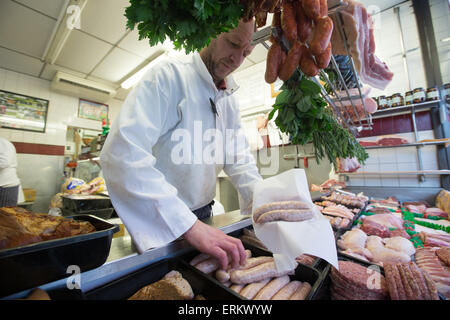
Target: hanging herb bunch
x,y
306,117
188,24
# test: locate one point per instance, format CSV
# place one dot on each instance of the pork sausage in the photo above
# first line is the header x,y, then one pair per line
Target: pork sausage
x,y
224,275
294,215
312,8
322,36
323,59
287,291
237,287
279,205
307,64
304,23
272,288
258,273
252,289
276,23
292,61
199,258
301,293
273,63
208,265
323,8
288,22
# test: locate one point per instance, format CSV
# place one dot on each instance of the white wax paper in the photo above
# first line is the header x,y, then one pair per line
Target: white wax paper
x,y
288,240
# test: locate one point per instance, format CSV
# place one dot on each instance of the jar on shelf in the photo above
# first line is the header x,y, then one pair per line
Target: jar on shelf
x,y
389,101
409,97
382,102
397,100
433,94
446,91
419,95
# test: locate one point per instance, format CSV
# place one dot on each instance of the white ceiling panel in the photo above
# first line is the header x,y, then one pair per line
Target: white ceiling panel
x,y
82,52
50,70
51,8
117,64
258,54
19,62
105,19
24,30
141,48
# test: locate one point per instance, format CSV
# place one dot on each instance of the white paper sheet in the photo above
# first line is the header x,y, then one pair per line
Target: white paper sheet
x,y
288,240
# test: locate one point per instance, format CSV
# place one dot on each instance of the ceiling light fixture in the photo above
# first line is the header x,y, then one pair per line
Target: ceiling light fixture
x,y
134,79
446,40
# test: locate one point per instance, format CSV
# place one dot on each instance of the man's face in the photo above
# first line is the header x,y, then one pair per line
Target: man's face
x,y
227,52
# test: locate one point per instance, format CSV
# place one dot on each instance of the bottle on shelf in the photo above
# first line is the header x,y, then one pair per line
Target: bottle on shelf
x,y
409,97
433,94
397,100
419,95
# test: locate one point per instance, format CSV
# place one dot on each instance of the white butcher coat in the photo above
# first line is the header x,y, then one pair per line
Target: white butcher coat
x,y
152,160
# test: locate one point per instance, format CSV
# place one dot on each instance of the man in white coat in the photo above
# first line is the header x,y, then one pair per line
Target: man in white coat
x,y
10,191
174,134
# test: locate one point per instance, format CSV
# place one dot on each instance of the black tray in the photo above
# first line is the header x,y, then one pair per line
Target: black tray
x,y
35,264
126,286
302,272
87,204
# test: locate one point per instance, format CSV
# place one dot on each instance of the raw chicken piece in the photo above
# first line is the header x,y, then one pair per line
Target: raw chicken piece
x,y
400,244
355,240
385,255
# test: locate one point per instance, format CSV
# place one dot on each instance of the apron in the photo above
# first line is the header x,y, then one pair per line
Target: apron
x,y
9,196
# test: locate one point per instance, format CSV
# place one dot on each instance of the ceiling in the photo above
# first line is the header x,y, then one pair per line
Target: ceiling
x,y
102,50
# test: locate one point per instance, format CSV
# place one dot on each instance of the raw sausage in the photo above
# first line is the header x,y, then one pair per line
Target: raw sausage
x,y
312,8
272,288
224,275
304,24
273,63
307,64
301,293
294,215
252,289
258,273
288,22
279,205
253,241
287,291
322,35
199,258
323,59
237,287
208,265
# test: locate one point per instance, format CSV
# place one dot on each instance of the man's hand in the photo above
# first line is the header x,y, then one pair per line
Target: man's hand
x,y
217,244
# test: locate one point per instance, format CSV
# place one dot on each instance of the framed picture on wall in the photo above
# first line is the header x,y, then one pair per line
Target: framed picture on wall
x,y
21,112
275,88
92,110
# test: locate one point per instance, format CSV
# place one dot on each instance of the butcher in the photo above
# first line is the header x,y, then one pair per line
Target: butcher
x,y
176,131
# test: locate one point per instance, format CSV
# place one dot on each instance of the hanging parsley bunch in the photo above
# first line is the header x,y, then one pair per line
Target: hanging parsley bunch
x,y
189,24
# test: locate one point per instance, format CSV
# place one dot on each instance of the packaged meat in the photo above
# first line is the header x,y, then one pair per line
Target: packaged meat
x,y
348,165
391,141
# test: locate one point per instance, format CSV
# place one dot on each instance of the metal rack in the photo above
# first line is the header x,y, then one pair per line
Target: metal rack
x,y
354,123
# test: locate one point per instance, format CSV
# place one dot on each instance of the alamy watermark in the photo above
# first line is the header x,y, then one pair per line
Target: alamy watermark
x,y
74,18
73,281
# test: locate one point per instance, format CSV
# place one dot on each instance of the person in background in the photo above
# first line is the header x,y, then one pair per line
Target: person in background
x,y
9,181
169,115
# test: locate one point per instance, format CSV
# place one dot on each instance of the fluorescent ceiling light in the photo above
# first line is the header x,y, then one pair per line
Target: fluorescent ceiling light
x,y
134,79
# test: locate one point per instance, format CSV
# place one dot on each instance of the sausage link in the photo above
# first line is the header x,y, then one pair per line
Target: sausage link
x,y
323,59
208,265
237,287
307,64
258,273
322,35
312,8
287,291
199,258
292,61
224,275
273,63
288,22
301,293
279,205
304,23
272,288
323,8
252,289
276,23
295,215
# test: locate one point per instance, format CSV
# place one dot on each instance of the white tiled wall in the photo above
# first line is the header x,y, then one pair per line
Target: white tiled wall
x,y
399,159
40,172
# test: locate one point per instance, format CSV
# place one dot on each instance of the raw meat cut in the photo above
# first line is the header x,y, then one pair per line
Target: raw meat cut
x,y
400,244
348,165
368,143
427,260
381,224
382,254
391,141
435,212
355,241
358,28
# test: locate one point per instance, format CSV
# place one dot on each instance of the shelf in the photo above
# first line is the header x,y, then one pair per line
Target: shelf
x,y
398,173
404,109
418,144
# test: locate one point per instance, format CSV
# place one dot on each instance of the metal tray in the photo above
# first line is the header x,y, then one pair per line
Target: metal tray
x,y
99,213
126,286
86,203
35,264
302,273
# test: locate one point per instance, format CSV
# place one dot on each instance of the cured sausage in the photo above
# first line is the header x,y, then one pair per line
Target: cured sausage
x,y
288,22
272,288
322,35
294,215
301,293
323,59
283,205
276,23
252,289
273,63
307,64
292,61
323,8
258,273
304,24
287,291
312,8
